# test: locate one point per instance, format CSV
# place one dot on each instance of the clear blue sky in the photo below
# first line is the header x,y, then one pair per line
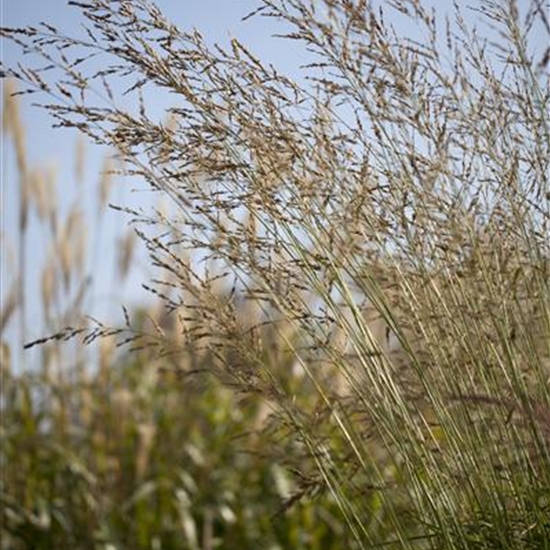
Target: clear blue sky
x,y
218,20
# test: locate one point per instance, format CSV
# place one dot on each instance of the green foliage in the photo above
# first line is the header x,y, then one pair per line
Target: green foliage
x,y
132,459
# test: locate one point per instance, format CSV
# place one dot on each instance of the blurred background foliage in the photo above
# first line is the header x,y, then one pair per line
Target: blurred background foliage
x,y
108,449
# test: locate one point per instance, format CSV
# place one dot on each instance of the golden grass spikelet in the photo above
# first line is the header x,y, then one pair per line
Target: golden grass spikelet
x,y
52,362
50,196
5,359
10,108
49,284
80,158
146,437
9,306
65,255
80,240
41,193
106,180
13,126
126,247
106,357
72,244
37,192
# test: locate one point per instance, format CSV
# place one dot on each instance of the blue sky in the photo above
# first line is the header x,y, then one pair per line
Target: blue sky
x,y
218,20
